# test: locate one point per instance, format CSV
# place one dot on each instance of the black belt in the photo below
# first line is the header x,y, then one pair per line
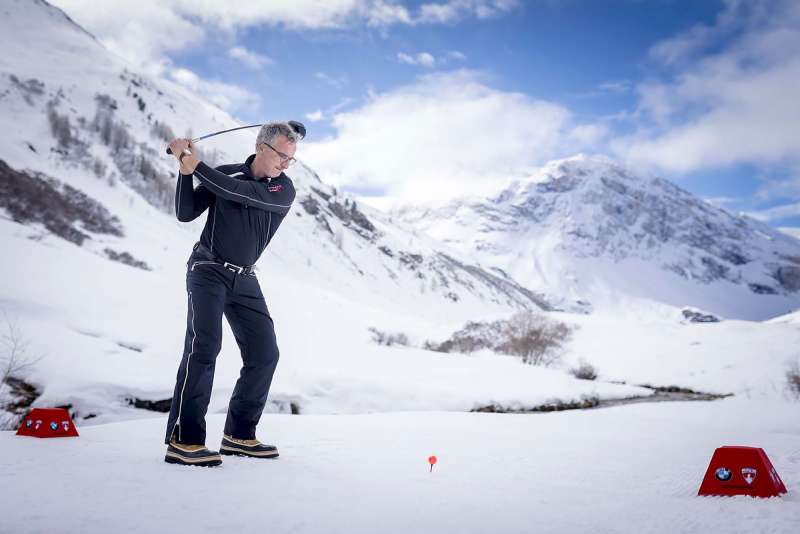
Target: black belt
x,y
241,269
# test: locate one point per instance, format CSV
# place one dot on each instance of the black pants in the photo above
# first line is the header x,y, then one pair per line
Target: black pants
x,y
212,291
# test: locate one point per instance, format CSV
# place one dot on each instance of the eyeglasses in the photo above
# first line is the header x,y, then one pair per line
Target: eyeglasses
x,y
284,158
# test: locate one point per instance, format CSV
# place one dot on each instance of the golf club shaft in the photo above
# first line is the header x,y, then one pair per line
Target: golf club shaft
x,y
169,151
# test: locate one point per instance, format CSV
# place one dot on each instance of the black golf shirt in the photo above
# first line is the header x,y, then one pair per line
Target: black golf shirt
x,y
244,211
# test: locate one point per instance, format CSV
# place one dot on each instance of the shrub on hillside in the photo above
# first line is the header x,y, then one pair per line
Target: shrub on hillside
x,y
534,337
388,339
584,371
793,378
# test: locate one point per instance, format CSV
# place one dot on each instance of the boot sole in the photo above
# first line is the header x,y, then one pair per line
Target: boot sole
x,y
171,458
233,451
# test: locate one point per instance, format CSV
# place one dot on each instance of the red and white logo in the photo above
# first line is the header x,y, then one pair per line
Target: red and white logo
x,y
749,474
274,188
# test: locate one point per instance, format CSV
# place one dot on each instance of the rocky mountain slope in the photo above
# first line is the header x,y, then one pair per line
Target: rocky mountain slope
x,y
584,227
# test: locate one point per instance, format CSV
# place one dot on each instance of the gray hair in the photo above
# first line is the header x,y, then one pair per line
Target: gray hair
x,y
271,130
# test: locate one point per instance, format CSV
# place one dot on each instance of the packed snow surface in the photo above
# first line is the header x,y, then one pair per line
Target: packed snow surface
x,y
625,469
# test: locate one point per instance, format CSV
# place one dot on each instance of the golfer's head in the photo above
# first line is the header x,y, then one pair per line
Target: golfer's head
x,y
275,146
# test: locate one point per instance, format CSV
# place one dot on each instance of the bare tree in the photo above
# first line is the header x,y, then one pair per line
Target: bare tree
x,y
59,126
15,361
162,131
535,338
120,138
793,378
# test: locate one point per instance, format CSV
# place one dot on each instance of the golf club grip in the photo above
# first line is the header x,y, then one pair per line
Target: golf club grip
x,y
169,150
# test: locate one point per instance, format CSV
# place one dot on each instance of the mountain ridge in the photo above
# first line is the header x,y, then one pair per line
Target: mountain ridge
x,y
591,207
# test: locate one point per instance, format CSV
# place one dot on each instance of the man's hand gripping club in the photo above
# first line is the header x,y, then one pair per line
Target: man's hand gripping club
x,y
181,149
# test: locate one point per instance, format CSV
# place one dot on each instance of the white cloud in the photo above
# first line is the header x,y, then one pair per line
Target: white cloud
x,y
423,58
445,135
611,87
731,95
333,81
619,86
402,57
146,31
427,59
298,14
381,13
721,202
777,212
452,10
791,231
455,54
141,31
779,184
248,57
326,114
588,134
315,116
228,97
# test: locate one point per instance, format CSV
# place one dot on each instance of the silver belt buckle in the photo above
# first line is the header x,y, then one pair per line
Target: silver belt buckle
x,y
232,267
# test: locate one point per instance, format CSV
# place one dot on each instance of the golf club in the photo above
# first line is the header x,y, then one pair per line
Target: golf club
x,y
295,125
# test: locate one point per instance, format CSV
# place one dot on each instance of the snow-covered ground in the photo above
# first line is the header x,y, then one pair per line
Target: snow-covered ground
x,y
356,459
107,331
632,468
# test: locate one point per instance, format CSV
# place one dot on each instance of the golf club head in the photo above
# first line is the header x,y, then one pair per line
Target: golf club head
x,y
298,128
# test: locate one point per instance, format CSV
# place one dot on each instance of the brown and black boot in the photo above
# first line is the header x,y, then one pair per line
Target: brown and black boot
x,y
247,447
179,453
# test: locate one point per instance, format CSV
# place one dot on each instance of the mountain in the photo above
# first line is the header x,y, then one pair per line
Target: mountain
x,y
588,229
95,272
83,117
96,280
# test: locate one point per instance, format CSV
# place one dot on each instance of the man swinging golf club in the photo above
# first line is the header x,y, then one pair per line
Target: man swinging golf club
x,y
246,204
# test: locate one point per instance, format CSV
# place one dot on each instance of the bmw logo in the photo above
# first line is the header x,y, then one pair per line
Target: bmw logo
x,y
723,474
53,426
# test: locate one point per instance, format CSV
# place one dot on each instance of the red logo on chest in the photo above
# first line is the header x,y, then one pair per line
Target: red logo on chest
x,y
274,188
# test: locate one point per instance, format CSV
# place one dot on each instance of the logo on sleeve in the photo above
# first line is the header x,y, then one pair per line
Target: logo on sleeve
x,y
274,188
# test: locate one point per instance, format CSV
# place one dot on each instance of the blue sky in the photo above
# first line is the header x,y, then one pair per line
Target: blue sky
x,y
549,50
700,92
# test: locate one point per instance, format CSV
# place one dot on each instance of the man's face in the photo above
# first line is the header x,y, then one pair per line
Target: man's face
x,y
273,162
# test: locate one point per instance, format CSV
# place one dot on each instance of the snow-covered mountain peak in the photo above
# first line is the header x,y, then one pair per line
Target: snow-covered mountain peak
x,y
586,221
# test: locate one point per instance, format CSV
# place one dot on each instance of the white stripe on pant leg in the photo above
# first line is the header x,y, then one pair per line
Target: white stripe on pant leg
x,y
194,335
